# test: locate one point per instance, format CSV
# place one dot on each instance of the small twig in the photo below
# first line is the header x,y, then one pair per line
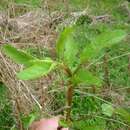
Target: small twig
x,y
59,110
102,17
114,58
106,70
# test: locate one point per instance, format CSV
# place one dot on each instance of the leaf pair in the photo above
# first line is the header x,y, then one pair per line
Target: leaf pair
x,y
35,68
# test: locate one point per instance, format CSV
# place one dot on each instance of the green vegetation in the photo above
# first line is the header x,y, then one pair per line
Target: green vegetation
x,y
69,61
6,111
92,61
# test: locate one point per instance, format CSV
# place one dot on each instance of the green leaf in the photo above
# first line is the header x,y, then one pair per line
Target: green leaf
x,y
106,39
88,53
109,38
84,76
16,55
71,50
107,109
28,120
67,48
60,45
36,71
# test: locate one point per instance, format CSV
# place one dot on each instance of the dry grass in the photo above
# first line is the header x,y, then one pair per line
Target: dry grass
x,y
34,29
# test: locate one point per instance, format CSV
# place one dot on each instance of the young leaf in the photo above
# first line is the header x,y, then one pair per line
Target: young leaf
x,y
107,109
16,55
89,52
62,40
84,76
67,48
36,71
70,53
106,39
